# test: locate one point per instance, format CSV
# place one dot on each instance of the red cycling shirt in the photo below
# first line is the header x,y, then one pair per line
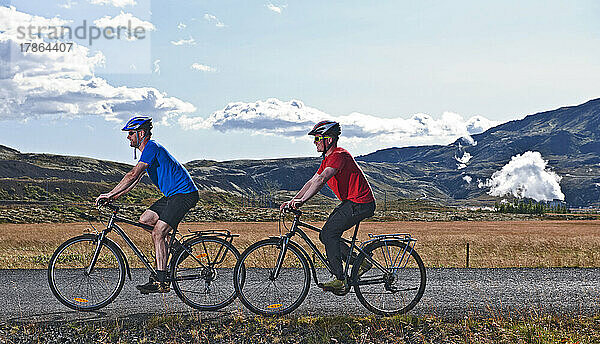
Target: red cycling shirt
x,y
349,183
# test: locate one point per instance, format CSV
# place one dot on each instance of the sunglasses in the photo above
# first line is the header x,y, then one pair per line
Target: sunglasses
x,y
320,138
132,133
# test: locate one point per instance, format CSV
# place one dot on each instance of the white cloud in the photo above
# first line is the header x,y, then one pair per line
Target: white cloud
x,y
526,176
68,4
202,68
190,41
125,20
11,19
115,3
34,85
181,26
276,9
157,66
478,124
214,20
293,119
462,161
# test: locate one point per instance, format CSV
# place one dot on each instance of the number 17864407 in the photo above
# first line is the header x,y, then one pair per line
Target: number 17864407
x,y
46,47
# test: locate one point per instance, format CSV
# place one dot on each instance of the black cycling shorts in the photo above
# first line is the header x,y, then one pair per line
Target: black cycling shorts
x,y
172,209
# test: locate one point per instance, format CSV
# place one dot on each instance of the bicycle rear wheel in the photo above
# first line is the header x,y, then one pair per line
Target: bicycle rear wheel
x,y
73,286
262,292
395,287
204,279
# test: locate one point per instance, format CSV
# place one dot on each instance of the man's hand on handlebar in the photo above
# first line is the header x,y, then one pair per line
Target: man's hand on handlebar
x,y
291,204
103,199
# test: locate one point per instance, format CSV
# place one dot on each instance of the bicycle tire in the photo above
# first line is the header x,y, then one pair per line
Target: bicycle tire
x,y
402,288
205,281
71,284
262,294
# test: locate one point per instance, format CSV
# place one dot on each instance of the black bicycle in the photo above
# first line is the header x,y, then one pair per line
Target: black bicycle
x,y
87,272
272,277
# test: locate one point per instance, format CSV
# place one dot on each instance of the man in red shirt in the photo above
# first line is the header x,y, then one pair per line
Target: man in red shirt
x,y
341,173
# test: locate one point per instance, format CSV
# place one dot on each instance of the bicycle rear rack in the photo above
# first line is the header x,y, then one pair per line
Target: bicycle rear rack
x,y
397,236
403,237
225,233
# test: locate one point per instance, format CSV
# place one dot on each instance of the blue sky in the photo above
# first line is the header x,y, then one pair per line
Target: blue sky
x,y
394,73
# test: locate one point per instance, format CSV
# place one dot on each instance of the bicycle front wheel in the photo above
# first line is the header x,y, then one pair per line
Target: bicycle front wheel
x,y
204,278
263,291
70,281
395,286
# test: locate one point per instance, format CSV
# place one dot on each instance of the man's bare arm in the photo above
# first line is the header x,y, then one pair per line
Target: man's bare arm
x,y
130,187
315,185
306,187
300,193
127,183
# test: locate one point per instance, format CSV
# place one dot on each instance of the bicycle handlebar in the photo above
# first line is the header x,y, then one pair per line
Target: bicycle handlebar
x,y
292,210
109,206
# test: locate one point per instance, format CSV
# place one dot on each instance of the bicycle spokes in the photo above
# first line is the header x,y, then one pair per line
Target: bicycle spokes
x,y
203,273
276,281
396,283
71,280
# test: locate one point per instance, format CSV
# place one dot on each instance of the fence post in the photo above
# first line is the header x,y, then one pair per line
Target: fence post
x,y
467,255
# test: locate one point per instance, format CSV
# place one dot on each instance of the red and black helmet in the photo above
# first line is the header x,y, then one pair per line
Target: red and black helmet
x,y
330,128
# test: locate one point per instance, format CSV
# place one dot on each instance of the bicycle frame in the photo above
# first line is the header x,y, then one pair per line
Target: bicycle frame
x,y
295,229
111,225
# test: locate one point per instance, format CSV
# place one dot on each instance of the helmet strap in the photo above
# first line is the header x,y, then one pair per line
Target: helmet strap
x,y
138,143
325,148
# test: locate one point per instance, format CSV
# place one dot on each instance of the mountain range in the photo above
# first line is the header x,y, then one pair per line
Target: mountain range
x,y
567,138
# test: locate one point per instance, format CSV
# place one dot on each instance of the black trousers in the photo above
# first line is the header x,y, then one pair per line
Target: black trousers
x,y
343,217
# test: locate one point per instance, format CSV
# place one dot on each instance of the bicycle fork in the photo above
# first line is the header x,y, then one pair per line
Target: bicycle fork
x,y
284,245
90,268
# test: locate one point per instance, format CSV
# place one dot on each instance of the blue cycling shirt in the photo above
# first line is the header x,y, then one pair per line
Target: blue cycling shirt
x,y
166,172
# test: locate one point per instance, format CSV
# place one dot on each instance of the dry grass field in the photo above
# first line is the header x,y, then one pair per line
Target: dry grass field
x,y
440,244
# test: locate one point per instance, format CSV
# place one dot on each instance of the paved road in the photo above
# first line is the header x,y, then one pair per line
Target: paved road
x,y
450,293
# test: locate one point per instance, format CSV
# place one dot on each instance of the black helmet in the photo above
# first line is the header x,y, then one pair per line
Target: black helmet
x,y
326,128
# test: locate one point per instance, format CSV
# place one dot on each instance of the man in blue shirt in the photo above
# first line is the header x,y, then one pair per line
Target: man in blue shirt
x,y
172,179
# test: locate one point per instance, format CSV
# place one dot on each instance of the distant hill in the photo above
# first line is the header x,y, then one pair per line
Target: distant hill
x,y
14,164
569,138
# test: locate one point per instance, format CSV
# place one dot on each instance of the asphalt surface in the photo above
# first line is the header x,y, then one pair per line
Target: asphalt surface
x,y
450,293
